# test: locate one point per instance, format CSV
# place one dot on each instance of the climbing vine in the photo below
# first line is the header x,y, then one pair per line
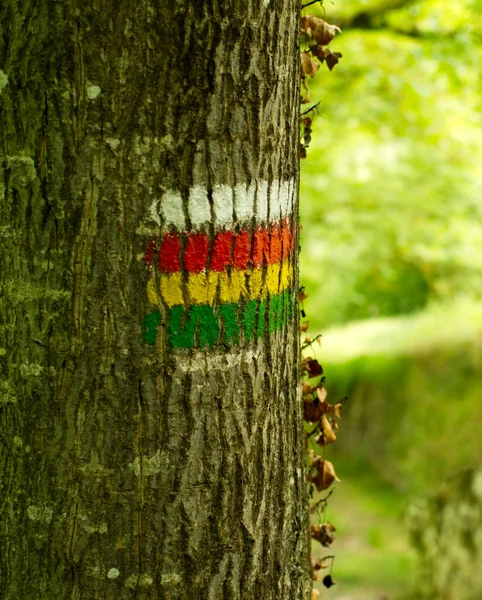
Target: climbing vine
x,y
321,425
315,35
320,416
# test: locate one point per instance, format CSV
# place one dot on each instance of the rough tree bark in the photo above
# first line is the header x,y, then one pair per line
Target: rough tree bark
x,y
149,409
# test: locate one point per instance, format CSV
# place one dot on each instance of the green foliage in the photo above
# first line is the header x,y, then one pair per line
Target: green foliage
x,y
390,189
392,232
414,394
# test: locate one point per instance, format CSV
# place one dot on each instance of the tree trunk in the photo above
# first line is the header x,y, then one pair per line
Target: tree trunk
x,y
150,415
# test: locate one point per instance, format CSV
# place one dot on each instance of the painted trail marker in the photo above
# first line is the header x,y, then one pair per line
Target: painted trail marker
x,y
222,287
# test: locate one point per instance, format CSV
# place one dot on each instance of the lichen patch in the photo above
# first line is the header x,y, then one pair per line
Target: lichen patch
x,y
93,91
43,514
3,81
113,573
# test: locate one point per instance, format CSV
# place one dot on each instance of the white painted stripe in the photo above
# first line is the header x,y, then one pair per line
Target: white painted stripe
x,y
199,209
223,205
262,202
171,209
154,212
293,187
274,202
213,358
286,201
246,202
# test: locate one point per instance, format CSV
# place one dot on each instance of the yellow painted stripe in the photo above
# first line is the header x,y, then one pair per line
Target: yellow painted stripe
x,y
201,288
285,277
171,289
151,293
205,288
232,286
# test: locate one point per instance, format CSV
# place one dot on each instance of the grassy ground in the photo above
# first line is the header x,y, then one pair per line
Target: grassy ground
x,y
438,326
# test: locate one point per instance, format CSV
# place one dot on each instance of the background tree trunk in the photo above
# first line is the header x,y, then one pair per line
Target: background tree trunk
x,y
445,530
149,409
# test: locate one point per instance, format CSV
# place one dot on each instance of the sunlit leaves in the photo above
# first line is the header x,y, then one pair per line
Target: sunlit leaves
x,y
390,211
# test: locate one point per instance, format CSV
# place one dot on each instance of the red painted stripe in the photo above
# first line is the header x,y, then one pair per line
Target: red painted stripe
x,y
221,256
196,253
274,245
260,247
287,239
239,250
242,250
169,253
149,252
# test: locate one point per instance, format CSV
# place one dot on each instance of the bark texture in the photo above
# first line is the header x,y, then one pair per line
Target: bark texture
x,y
131,467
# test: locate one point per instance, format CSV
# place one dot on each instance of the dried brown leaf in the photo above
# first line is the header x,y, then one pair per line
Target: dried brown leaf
x,y
320,564
321,393
311,412
308,65
323,534
327,435
307,97
325,474
318,29
312,367
332,59
321,52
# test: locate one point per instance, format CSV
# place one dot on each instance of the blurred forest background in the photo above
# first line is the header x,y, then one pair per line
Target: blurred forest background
x,y
391,257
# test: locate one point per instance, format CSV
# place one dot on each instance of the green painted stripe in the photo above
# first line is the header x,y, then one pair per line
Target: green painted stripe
x,y
202,325
149,326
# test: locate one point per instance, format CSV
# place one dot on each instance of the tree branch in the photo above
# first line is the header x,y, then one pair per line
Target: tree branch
x,y
372,18
309,3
